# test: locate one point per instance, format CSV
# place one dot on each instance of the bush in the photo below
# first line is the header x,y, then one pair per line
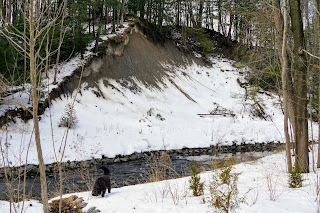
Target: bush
x,y
224,191
69,117
295,178
159,117
160,167
195,184
219,110
206,45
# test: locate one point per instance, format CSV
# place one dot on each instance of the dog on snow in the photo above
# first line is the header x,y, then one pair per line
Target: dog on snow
x,y
102,183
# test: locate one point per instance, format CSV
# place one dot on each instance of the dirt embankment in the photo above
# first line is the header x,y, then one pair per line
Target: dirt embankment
x,y
139,54
142,59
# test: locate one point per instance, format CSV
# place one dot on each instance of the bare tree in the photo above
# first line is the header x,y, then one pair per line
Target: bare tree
x,y
281,24
38,23
318,19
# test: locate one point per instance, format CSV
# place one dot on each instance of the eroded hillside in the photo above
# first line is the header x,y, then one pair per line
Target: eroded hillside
x,y
138,95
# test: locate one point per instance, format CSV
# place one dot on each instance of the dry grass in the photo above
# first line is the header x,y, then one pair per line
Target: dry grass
x,y
70,204
160,166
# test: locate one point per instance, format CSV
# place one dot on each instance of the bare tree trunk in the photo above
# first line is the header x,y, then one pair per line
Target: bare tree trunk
x,y
285,76
35,98
220,24
60,42
200,12
231,14
300,88
178,8
318,19
122,13
190,11
54,82
113,19
288,92
281,36
24,46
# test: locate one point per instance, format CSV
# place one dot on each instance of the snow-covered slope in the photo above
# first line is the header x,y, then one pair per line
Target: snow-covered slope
x,y
150,98
124,121
263,185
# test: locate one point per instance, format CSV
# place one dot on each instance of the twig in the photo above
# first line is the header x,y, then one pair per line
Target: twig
x,y
211,114
317,57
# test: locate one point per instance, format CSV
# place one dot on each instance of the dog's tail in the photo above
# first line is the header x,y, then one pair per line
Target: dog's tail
x,y
106,171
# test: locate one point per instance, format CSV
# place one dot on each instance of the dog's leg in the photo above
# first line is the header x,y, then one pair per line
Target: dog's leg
x,y
103,192
109,189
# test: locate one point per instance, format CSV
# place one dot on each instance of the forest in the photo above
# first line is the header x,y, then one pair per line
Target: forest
x,y
278,40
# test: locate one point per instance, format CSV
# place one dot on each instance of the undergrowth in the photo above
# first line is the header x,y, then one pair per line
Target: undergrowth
x,y
195,184
224,191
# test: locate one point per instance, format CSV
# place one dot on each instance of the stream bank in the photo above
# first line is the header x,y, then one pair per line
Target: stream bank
x,y
127,170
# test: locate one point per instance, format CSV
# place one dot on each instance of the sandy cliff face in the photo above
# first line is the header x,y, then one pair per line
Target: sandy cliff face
x,y
134,56
140,55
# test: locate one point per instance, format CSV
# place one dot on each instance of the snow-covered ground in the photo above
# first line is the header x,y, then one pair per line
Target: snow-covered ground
x,y
263,183
125,121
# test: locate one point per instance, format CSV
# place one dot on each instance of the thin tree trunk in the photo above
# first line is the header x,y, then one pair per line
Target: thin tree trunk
x,y
9,12
231,14
107,17
122,13
33,78
60,42
281,44
193,21
285,73
89,18
199,19
113,19
178,13
318,19
25,46
278,20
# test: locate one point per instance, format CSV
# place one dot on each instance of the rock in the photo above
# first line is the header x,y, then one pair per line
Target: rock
x,y
93,210
78,200
124,159
116,160
133,157
73,165
82,205
106,161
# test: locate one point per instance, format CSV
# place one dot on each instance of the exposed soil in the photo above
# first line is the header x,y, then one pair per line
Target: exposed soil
x,y
139,54
142,60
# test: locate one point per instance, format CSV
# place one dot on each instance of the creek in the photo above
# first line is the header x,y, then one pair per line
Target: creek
x,y
129,172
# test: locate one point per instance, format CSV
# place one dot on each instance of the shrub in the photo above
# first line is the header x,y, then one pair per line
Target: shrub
x,y
295,178
69,117
205,43
159,117
224,191
160,167
219,110
195,185
150,112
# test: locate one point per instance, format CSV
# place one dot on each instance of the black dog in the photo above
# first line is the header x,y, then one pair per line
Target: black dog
x,y
102,183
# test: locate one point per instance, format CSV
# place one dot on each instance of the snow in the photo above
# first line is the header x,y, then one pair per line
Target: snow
x,y
125,121
120,123
65,69
175,195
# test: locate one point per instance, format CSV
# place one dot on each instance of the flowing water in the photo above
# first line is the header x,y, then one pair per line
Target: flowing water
x,y
122,174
